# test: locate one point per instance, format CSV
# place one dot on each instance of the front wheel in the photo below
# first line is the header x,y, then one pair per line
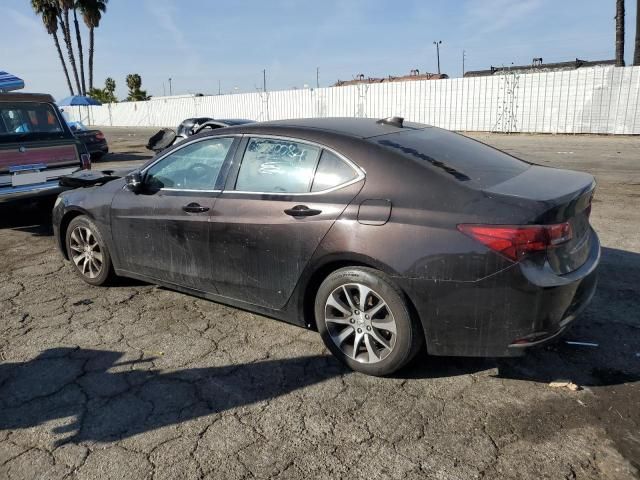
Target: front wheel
x,y
89,255
364,320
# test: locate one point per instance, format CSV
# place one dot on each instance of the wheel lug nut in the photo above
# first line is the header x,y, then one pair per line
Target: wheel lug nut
x,y
356,312
352,320
368,327
359,330
367,317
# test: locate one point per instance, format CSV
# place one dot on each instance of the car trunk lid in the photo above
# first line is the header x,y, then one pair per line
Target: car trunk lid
x,y
26,163
557,196
61,154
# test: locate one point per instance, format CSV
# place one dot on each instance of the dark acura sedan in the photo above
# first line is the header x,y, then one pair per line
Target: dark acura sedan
x,y
382,235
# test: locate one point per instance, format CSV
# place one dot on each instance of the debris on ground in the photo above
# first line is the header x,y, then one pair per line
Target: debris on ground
x,y
565,384
581,344
152,353
85,301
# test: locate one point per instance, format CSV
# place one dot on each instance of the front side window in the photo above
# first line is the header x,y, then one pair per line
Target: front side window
x,y
332,172
192,167
277,166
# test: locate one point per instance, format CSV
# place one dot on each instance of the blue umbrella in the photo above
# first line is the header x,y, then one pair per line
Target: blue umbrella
x,y
78,100
10,82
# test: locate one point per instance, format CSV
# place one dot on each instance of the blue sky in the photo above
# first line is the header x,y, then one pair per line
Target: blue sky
x,y
231,42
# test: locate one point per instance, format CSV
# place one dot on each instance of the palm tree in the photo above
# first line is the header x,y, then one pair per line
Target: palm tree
x,y
92,11
80,55
134,82
48,10
63,18
620,33
636,51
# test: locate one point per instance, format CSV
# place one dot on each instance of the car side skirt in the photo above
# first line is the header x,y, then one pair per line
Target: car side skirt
x,y
283,315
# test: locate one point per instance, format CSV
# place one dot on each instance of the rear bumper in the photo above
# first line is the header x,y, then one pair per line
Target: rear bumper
x,y
50,188
94,148
504,314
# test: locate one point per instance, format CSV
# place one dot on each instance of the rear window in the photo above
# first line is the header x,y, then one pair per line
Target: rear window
x,y
455,156
28,118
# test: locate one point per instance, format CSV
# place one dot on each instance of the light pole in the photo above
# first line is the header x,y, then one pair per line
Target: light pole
x,y
464,54
437,44
170,91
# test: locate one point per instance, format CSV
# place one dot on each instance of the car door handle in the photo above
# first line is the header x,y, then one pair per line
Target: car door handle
x,y
194,208
302,211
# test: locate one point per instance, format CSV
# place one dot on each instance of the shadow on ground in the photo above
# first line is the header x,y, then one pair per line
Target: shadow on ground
x,y
611,322
109,399
31,216
107,406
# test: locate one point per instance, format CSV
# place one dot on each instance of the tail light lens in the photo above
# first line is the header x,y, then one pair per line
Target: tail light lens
x,y
100,136
516,241
85,158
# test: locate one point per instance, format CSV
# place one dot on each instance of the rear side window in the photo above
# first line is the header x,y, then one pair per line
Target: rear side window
x,y
455,156
277,166
332,171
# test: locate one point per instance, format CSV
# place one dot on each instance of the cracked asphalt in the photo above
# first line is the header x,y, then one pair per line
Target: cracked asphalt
x,y
136,381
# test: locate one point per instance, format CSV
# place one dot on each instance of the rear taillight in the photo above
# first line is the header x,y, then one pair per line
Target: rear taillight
x,y
100,136
515,241
85,158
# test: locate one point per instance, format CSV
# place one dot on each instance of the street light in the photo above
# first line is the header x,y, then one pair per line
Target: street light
x,y
437,44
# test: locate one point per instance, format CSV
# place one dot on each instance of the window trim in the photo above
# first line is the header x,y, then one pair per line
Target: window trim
x,y
360,173
184,144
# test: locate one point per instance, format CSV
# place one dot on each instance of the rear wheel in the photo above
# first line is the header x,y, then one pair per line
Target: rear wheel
x,y
364,320
89,255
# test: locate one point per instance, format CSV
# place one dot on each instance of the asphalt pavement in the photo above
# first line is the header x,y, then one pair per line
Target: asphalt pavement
x,y
136,381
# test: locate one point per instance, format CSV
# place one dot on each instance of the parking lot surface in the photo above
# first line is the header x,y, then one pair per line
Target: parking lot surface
x,y
136,381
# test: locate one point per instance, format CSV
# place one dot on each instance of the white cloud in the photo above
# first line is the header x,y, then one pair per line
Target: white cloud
x,y
489,16
33,57
165,12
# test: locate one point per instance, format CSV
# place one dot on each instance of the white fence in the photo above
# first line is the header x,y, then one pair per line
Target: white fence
x,y
587,100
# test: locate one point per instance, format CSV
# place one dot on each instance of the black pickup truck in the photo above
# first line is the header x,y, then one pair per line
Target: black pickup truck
x,y
37,147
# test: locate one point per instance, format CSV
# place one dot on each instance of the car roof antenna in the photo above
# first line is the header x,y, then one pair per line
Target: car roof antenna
x,y
394,121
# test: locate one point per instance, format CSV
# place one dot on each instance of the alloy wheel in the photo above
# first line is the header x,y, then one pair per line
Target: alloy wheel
x,y
360,323
86,252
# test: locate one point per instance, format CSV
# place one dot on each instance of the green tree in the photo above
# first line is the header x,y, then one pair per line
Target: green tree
x,y
54,15
92,11
110,88
106,94
49,11
134,82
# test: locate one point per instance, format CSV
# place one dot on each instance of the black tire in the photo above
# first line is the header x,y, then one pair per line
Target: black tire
x,y
409,336
87,269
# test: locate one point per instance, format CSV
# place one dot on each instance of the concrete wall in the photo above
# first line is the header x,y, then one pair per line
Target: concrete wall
x,y
587,100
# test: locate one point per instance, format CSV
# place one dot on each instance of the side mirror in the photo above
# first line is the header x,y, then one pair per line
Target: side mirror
x,y
134,182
